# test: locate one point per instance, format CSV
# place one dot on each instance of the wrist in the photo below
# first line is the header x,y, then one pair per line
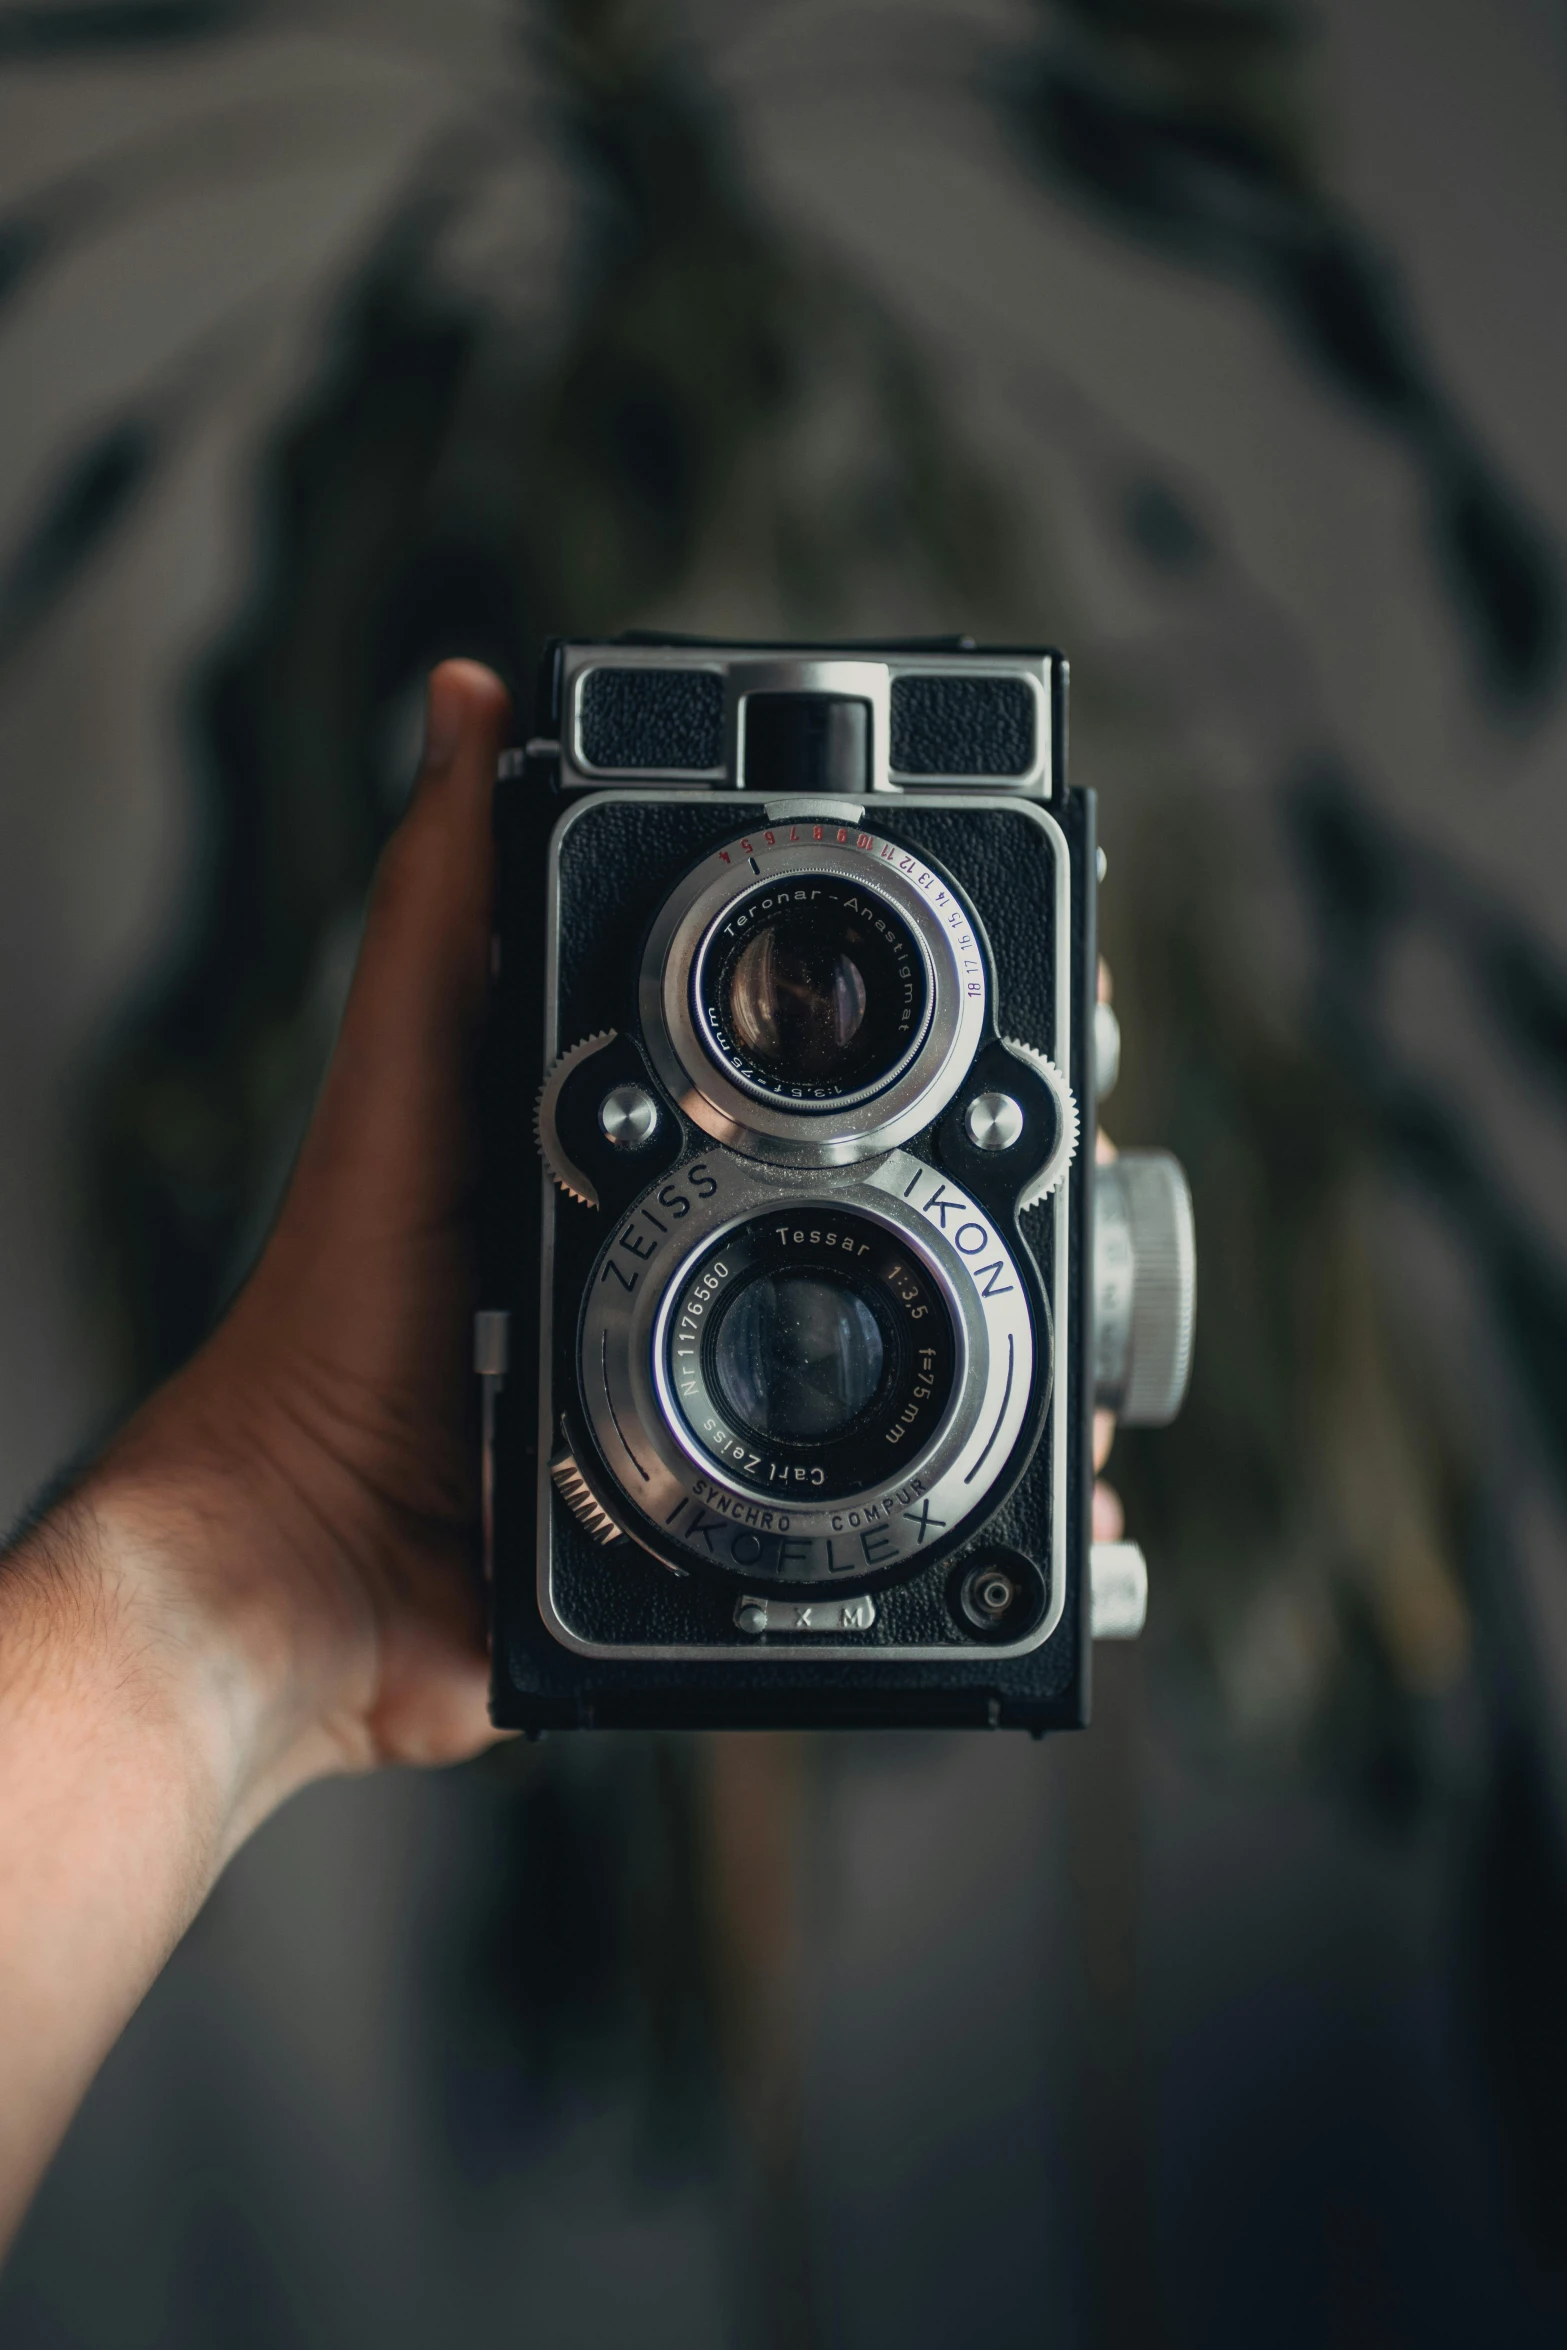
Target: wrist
x,y
128,1780
103,1659
155,1597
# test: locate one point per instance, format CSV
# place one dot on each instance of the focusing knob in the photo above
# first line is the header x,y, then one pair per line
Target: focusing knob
x,y
1145,1283
562,1168
1053,1172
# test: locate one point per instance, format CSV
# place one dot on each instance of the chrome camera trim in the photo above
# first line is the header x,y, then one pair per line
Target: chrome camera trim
x,y
740,1114
753,673
1060,1049
865,677
659,1464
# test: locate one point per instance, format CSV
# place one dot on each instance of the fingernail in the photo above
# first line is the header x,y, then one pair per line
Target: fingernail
x,y
443,716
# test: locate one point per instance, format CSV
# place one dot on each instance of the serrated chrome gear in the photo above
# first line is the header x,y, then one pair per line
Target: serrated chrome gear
x,y
575,1492
571,1179
1053,1172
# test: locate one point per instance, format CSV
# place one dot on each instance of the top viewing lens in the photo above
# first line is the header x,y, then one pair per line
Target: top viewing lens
x,y
813,989
796,1000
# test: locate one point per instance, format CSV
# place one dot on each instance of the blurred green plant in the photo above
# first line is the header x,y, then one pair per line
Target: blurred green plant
x,y
1311,1500
56,28
1189,124
722,430
719,428
726,431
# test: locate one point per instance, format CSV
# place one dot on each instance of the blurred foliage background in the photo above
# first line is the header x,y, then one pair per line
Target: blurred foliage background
x,y
641,315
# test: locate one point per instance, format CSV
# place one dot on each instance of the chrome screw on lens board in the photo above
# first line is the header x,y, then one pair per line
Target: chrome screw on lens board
x,y
628,1117
993,1121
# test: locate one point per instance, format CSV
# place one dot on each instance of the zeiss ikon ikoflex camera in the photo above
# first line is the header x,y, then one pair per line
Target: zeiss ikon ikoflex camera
x,y
800,1281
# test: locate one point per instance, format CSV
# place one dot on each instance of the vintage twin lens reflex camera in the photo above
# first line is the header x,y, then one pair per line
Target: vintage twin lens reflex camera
x,y
800,1281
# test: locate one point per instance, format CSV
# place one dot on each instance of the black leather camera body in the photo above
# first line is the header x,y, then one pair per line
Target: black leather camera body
x,y
798,1283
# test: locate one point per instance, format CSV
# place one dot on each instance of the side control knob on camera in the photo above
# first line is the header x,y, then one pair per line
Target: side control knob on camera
x,y
1145,1284
1117,1591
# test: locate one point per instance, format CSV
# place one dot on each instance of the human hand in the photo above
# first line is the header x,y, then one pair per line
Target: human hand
x,y
270,1573
297,1505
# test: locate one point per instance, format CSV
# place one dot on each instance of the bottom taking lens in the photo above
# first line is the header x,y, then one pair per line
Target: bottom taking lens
x,y
810,1353
797,1356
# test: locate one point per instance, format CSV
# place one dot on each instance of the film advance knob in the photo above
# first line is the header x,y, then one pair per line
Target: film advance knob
x,y
1145,1284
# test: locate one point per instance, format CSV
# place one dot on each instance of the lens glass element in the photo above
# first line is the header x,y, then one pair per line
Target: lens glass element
x,y
813,990
796,999
810,1353
798,1356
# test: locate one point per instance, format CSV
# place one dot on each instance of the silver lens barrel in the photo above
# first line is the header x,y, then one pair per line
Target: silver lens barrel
x,y
894,890
920,1484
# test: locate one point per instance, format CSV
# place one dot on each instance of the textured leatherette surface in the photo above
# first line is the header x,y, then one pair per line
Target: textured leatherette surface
x,y
962,726
656,719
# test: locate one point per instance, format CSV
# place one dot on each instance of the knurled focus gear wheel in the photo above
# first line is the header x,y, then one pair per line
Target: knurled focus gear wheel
x,y
1053,1173
570,1178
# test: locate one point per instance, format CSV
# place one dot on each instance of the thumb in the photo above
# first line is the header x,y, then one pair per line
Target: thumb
x,y
428,926
393,1110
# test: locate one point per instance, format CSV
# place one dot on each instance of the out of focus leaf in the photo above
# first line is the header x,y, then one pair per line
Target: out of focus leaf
x,y
1174,120
52,28
90,498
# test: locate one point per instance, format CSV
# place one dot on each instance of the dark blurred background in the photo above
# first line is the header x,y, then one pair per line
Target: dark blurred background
x,y
1223,343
